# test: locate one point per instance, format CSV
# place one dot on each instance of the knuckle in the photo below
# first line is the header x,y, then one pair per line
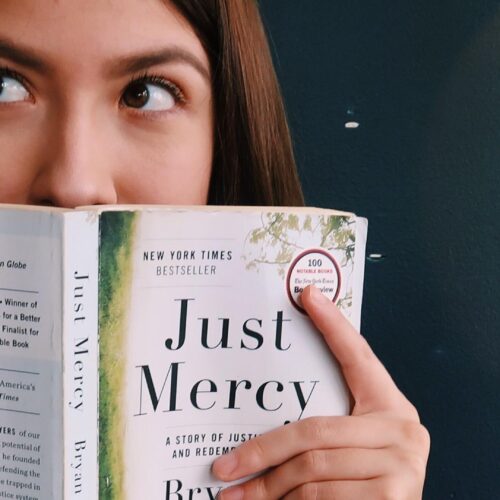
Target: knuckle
x,y
312,463
425,438
390,490
416,435
257,452
316,430
412,412
307,491
258,489
308,461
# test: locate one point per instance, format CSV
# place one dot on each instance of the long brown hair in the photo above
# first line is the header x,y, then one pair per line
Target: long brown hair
x,y
253,159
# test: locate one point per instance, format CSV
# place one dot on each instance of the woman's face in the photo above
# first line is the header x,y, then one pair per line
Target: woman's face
x,y
102,101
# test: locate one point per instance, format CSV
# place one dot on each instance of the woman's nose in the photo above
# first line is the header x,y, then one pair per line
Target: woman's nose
x,y
75,167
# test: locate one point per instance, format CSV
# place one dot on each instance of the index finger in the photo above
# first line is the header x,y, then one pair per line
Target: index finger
x,y
371,385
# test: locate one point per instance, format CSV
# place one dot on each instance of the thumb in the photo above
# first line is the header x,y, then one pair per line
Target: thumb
x,y
371,385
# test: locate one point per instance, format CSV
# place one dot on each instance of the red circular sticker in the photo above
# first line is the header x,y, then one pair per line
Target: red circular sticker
x,y
313,267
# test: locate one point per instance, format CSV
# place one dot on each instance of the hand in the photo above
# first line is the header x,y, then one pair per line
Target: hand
x,y
379,452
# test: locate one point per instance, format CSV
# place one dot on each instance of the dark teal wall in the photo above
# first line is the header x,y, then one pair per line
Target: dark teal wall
x,y
423,80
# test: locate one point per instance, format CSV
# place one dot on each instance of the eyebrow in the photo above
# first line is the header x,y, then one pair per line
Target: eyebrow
x,y
174,54
22,56
118,67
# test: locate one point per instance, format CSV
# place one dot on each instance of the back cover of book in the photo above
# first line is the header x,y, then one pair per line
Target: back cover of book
x,y
30,354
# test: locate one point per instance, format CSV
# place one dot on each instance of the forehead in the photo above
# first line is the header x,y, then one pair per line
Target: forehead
x,y
89,31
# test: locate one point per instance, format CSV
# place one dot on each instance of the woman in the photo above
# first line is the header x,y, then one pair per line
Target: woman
x,y
149,101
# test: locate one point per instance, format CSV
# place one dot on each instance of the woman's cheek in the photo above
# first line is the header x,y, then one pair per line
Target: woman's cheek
x,y
20,146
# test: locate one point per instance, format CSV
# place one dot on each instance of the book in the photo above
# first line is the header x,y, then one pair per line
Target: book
x,y
138,343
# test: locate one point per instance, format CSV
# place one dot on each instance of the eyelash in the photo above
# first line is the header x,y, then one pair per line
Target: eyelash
x,y
168,85
10,73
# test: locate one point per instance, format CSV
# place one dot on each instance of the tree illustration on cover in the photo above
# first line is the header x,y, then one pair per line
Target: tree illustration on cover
x,y
283,235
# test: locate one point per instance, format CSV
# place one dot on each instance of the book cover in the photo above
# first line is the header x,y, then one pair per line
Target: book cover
x,y
203,341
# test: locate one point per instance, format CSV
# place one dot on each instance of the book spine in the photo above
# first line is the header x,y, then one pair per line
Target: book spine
x,y
80,353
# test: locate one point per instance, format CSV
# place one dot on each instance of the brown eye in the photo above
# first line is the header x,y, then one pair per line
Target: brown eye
x,y
152,95
136,95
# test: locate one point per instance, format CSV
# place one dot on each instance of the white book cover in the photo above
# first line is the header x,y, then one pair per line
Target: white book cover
x,y
203,340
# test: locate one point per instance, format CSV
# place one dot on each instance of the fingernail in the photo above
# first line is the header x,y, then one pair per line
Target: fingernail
x,y
225,465
233,493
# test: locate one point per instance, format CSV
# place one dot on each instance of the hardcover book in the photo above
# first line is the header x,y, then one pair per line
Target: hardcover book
x,y
139,343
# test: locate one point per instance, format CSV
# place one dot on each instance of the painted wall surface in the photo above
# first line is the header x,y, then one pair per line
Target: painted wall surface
x,y
422,79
